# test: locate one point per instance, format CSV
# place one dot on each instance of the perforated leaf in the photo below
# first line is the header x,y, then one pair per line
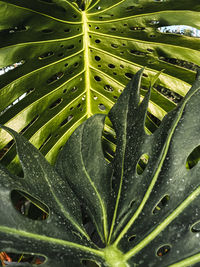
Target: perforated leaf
x,y
60,64
142,209
60,237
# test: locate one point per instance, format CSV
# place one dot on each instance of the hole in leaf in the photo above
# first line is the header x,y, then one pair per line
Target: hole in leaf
x,y
184,30
17,100
108,88
97,28
154,22
67,30
114,45
45,142
29,125
193,158
142,163
131,238
97,41
55,103
95,97
102,107
153,118
55,77
10,258
17,29
150,50
47,31
137,28
76,64
171,95
65,121
97,78
64,91
29,206
97,58
131,204
4,150
74,89
137,53
30,90
11,67
111,66
70,47
163,250
181,63
46,55
129,75
129,8
196,227
163,203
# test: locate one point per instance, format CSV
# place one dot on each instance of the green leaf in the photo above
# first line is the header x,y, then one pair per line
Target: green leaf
x,y
144,204
65,64
62,232
155,221
75,163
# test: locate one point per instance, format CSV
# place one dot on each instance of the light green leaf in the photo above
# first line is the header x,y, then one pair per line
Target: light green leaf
x,y
61,64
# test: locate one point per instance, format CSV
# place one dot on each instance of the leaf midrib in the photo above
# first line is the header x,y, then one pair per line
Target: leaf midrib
x,y
37,237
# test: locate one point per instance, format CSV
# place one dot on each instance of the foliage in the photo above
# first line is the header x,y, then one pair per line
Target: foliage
x,y
142,215
63,64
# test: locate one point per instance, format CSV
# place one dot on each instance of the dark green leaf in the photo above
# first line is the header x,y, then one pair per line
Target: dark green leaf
x,y
156,211
62,232
89,178
149,217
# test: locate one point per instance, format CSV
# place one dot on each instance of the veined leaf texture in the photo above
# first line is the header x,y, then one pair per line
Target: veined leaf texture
x,y
62,64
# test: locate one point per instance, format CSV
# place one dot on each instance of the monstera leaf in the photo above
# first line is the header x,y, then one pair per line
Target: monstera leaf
x,y
63,61
142,208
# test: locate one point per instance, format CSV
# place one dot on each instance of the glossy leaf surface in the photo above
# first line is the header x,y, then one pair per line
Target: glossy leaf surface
x,y
145,218
61,64
62,232
156,212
